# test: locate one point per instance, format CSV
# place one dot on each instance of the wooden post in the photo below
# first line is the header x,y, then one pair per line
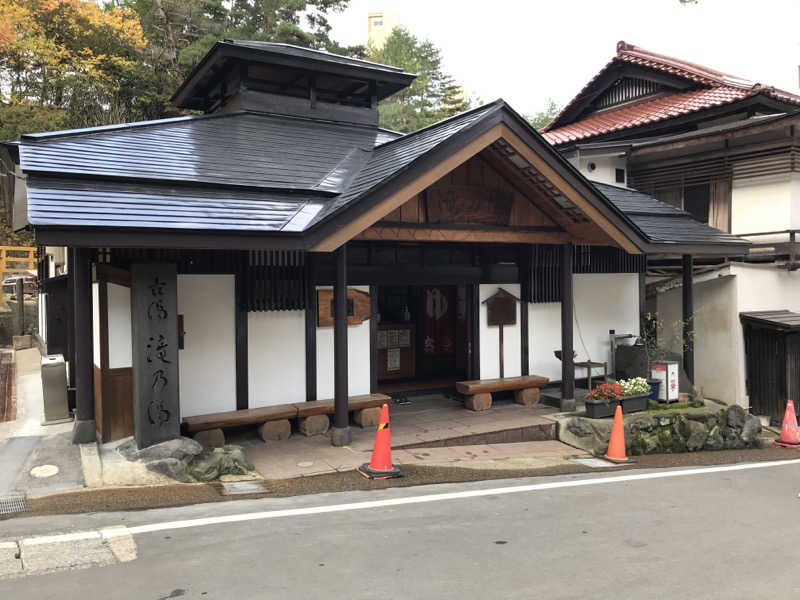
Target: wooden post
x,y
19,292
242,345
474,312
567,300
502,370
340,434
525,294
311,327
688,317
84,430
373,339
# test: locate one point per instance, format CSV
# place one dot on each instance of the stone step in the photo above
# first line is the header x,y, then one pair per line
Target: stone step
x,y
529,433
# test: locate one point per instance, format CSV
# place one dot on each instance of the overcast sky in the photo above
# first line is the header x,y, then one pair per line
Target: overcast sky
x,y
528,51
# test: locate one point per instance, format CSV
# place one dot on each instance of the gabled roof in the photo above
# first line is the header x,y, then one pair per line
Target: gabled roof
x,y
684,88
264,181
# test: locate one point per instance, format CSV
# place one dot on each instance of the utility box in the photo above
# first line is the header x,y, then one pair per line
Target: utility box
x,y
668,374
54,389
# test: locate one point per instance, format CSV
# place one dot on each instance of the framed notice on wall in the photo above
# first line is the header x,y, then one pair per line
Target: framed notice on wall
x,y
395,348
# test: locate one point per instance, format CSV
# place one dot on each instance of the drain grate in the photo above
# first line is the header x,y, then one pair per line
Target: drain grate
x,y
10,505
234,488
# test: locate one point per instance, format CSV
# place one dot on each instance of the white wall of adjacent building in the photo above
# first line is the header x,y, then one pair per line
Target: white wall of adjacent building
x,y
720,367
601,168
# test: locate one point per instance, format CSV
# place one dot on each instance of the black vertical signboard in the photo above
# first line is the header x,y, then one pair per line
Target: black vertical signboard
x,y
154,304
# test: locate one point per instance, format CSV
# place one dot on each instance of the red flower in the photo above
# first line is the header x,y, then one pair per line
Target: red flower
x,y
605,392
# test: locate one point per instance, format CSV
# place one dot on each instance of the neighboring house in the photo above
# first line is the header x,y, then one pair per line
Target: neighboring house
x,y
723,149
202,250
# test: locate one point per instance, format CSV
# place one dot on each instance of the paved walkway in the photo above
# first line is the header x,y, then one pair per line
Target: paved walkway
x,y
441,432
25,443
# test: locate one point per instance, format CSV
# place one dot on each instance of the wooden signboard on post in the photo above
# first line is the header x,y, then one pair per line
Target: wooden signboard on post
x,y
501,309
154,308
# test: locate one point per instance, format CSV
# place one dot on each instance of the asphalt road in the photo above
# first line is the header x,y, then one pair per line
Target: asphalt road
x,y
710,534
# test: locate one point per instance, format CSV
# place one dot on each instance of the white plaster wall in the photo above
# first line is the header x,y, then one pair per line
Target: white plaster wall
x,y
42,310
605,168
207,364
490,338
96,323
717,336
357,357
120,343
603,301
276,371
763,204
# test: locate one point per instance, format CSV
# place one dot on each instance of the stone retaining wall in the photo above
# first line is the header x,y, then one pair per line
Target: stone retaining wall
x,y
667,432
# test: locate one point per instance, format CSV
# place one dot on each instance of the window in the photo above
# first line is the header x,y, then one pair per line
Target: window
x,y
620,175
696,200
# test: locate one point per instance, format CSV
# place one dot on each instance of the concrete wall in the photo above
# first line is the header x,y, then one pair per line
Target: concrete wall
x,y
276,371
490,338
717,335
719,338
357,357
602,302
207,364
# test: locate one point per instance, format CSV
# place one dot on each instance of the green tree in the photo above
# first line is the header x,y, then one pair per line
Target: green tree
x,y
431,97
544,117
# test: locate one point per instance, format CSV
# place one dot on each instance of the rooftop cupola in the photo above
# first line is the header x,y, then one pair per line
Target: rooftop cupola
x,y
289,80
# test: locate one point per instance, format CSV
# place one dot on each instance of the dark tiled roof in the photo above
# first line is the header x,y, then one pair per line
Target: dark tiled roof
x,y
662,223
92,203
242,149
716,89
261,173
781,320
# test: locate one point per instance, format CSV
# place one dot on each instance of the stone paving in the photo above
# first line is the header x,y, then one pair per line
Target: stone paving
x,y
429,421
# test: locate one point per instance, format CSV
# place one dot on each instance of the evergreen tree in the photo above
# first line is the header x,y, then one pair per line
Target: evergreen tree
x,y
432,96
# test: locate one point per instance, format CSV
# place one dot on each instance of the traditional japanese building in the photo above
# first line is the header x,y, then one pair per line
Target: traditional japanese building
x,y
723,149
283,248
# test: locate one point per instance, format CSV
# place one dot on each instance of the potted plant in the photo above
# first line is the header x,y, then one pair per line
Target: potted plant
x,y
603,400
634,395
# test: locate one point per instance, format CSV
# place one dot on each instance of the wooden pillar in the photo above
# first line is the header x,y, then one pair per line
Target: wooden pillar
x,y
688,317
373,339
340,434
567,303
71,394
474,312
242,347
525,294
311,327
85,429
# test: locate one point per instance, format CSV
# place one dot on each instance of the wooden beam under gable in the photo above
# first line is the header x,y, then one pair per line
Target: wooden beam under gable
x,y
569,192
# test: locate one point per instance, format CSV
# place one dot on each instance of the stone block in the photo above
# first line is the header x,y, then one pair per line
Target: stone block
x,y
211,438
22,342
367,417
314,425
478,402
275,430
527,397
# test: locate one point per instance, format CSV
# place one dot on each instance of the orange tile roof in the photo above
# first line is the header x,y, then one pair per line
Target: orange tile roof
x,y
721,89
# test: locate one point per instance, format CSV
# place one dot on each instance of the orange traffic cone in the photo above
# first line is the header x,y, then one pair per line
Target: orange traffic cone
x,y
381,467
616,445
789,437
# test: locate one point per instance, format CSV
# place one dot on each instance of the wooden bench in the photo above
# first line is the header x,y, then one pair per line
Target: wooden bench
x,y
478,393
274,423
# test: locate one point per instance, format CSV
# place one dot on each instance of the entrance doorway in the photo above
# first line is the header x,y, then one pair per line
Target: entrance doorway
x,y
422,337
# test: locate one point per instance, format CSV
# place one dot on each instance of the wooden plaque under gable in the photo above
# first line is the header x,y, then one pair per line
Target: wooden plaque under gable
x,y
469,205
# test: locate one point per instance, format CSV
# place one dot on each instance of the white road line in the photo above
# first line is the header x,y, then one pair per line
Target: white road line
x,y
317,510
117,531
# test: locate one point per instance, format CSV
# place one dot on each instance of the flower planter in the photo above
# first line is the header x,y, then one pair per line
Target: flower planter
x,y
598,409
637,403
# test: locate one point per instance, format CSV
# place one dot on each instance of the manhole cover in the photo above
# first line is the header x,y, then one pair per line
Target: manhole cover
x,y
43,471
306,463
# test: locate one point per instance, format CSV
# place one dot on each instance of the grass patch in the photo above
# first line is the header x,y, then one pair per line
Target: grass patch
x,y
656,406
